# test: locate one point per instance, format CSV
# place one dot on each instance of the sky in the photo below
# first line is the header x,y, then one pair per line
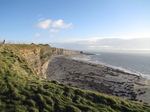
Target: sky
x,y
88,25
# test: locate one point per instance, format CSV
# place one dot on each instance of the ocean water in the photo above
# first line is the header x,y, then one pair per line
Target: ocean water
x,y
135,63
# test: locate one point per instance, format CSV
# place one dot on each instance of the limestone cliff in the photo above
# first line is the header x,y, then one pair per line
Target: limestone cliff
x,y
60,51
39,56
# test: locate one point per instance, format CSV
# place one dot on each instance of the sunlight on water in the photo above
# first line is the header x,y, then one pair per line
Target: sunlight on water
x,y
135,63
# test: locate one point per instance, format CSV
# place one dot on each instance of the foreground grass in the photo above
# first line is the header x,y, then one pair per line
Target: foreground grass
x,y
21,90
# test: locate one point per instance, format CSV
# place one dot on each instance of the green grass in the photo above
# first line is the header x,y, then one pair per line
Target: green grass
x,y
44,50
21,90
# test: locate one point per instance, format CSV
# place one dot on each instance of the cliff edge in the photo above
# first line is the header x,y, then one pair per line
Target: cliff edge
x,y
22,90
60,51
39,56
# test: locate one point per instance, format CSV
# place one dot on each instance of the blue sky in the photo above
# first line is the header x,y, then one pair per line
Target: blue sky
x,y
77,24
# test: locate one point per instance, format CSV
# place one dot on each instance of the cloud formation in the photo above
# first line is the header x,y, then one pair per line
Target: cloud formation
x,y
54,31
44,24
52,36
42,19
49,23
37,34
126,37
53,24
61,24
100,46
105,44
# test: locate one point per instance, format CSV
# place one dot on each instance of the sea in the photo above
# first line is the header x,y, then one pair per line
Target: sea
x,y
134,63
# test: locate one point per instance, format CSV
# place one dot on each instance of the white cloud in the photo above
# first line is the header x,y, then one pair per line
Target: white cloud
x,y
97,44
52,36
54,31
49,23
37,34
139,35
42,19
44,24
70,40
61,24
132,36
101,46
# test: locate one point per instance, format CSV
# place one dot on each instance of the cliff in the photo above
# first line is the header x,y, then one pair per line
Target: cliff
x,y
39,56
59,51
22,90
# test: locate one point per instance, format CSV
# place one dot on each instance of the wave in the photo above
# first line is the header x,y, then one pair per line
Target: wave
x,y
127,70
97,54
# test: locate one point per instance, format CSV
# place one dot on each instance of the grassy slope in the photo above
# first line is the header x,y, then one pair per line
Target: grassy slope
x,y
21,90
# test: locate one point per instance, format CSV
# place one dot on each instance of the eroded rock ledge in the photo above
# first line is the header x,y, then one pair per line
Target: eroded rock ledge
x,y
39,56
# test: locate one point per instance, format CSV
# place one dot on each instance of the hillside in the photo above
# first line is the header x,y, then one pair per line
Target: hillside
x,y
22,89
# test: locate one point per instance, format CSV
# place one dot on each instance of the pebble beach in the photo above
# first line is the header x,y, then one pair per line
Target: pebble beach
x,y
98,78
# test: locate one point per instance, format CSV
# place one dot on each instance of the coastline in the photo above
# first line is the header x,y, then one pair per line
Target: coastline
x,y
99,78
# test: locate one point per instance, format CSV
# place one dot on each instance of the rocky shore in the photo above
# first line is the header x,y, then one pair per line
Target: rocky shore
x,y
98,78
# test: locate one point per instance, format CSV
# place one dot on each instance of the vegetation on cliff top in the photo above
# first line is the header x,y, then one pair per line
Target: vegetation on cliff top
x,y
21,90
44,49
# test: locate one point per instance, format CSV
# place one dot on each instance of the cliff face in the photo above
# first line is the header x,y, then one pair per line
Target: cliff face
x,y
59,51
39,56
